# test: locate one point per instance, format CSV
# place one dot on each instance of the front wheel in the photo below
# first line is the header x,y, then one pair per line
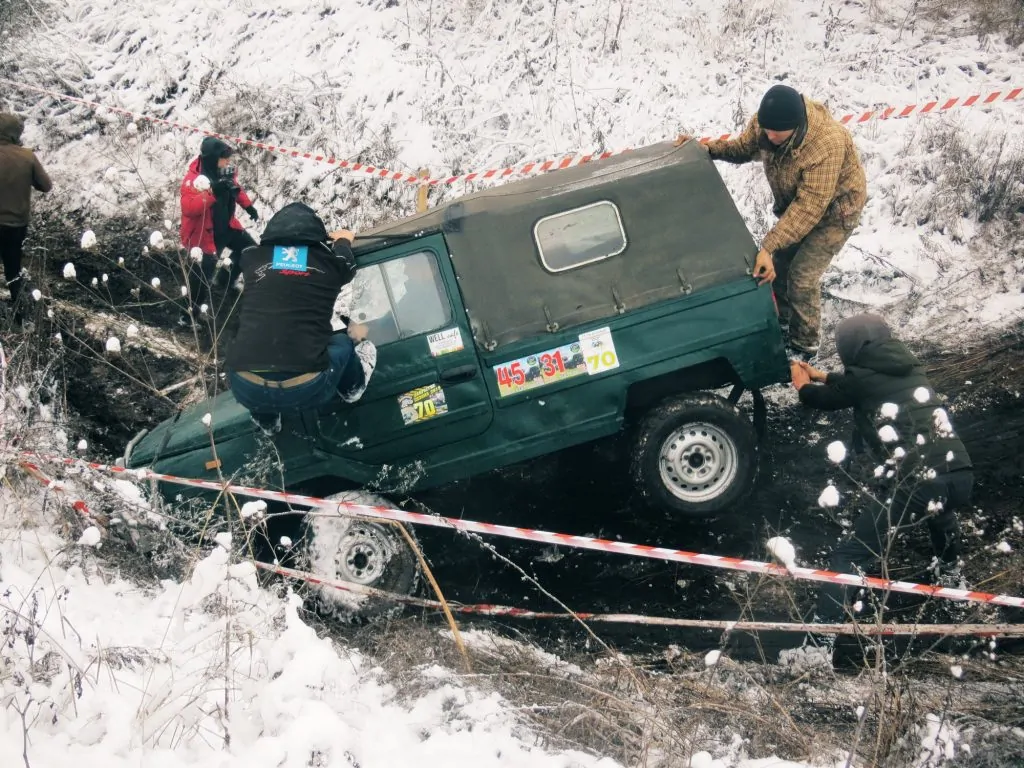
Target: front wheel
x,y
365,552
695,455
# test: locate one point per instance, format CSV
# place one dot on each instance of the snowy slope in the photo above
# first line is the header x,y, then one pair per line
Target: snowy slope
x,y
470,84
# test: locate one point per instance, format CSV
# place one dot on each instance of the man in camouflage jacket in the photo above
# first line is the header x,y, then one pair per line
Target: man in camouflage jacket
x,y
820,190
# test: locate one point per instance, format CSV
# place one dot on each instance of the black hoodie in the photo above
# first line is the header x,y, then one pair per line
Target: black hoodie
x,y
881,370
285,319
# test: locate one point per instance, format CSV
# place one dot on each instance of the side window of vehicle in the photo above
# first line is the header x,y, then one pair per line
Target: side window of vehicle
x,y
581,236
401,298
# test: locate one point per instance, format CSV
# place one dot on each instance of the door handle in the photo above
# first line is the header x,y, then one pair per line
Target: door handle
x,y
458,374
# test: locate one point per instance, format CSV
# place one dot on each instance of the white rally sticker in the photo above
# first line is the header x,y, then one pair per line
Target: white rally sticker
x,y
599,351
445,342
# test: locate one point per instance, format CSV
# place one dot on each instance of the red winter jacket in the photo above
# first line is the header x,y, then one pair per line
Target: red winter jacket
x,y
196,211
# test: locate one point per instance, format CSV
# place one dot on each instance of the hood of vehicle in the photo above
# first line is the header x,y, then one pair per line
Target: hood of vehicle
x,y
186,433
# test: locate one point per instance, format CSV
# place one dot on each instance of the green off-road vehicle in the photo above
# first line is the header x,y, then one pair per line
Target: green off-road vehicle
x,y
519,321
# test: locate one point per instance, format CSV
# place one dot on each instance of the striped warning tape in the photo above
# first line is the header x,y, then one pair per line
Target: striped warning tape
x,y
526,169
506,611
549,537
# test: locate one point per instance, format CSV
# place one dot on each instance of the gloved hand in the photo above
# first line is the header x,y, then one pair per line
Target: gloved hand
x,y
253,214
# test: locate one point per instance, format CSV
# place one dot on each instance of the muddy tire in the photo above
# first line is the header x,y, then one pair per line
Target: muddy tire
x,y
364,552
694,455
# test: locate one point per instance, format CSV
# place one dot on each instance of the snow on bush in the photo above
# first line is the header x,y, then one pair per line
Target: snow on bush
x,y
257,509
36,294
90,537
88,240
940,420
887,434
836,452
207,419
155,282
922,395
69,271
156,239
712,657
889,410
82,446
1004,547
196,254
829,497
782,549
131,331
113,345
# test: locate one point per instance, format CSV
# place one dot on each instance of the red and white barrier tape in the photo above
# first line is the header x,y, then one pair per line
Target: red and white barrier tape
x,y
568,161
561,539
55,485
505,611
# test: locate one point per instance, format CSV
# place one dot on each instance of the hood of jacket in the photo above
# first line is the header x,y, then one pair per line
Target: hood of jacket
x,y
211,150
854,333
296,223
10,128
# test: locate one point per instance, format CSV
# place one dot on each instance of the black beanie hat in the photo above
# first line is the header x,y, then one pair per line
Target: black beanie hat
x,y
782,109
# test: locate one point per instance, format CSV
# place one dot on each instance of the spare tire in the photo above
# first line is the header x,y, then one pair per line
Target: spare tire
x,y
695,455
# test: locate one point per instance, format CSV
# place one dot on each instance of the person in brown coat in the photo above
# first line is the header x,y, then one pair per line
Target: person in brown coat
x,y
20,172
820,191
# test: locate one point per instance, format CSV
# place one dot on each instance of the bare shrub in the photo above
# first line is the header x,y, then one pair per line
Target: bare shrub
x,y
963,176
999,18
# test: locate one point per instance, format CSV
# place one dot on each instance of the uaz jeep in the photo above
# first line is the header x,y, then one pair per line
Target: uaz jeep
x,y
527,318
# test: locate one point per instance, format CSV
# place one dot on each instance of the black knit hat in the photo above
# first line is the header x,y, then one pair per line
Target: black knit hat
x,y
782,109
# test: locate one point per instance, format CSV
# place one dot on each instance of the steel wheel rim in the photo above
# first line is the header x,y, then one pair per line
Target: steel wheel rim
x,y
364,557
698,462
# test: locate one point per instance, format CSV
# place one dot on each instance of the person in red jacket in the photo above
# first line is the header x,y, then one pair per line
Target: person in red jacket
x,y
209,194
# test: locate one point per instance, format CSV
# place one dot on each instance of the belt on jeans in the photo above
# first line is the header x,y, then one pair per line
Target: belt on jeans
x,y
304,378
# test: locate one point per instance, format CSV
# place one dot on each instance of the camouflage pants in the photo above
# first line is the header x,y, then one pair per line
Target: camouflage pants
x,y
798,271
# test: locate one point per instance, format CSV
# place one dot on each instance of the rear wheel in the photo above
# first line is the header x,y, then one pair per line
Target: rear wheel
x,y
363,552
695,455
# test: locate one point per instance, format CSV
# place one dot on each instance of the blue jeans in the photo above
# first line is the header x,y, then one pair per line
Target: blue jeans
x,y
344,375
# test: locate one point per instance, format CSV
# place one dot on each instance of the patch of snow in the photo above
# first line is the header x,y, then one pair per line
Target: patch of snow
x,y
184,290
69,271
712,657
88,240
829,497
113,345
255,509
899,453
155,282
196,254
156,239
938,741
922,395
1004,547
91,537
860,711
94,282
207,419
836,452
956,671
131,331
890,410
782,548
285,541
83,445
888,434
36,294
949,456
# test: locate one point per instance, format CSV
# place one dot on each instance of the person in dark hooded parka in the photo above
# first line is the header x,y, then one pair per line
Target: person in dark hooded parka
x,y
209,194
286,355
20,173
898,416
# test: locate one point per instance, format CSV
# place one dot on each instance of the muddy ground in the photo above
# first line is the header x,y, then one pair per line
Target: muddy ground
x,y
585,490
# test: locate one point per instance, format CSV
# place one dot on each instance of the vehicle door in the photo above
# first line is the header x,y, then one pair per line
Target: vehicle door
x,y
428,388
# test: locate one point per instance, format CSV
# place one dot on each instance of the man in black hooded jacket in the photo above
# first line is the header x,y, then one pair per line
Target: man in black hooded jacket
x,y
897,414
286,356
